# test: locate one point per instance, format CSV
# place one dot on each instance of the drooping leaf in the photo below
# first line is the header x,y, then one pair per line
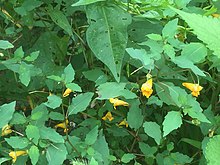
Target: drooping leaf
x,y
69,74
107,36
91,137
5,45
170,29
34,154
206,29
126,158
53,101
135,117
152,129
17,142
50,134
33,133
80,103
85,2
74,87
6,113
56,154
172,121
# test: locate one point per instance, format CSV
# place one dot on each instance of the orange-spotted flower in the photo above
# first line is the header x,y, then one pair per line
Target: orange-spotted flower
x,y
116,102
67,92
15,154
63,125
195,88
123,122
146,88
6,130
108,116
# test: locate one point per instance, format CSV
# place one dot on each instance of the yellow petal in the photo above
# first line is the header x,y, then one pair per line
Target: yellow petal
x,y
63,125
108,116
146,88
67,92
6,130
124,122
195,88
15,154
116,102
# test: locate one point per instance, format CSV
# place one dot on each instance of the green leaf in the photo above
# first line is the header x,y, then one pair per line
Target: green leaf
x,y
50,134
152,129
19,53
34,154
69,74
93,162
195,52
33,56
155,37
55,78
141,55
74,87
177,158
17,142
91,137
154,100
56,154
80,103
212,150
206,29
53,101
172,121
135,117
2,160
33,133
169,51
147,150
126,158
6,113
5,45
56,116
192,142
107,36
60,19
18,119
85,2
170,29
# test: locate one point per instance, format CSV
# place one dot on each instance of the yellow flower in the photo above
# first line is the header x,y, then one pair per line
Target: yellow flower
x,y
108,116
116,102
15,154
146,88
123,122
195,88
6,130
63,125
215,15
67,92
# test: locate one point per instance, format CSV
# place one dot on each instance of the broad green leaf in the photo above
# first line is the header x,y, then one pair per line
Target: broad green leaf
x,y
33,133
33,56
2,160
74,87
155,37
55,78
206,29
60,19
69,74
6,113
169,51
170,29
80,103
5,45
184,62
107,36
50,134
172,121
56,116
56,154
17,142
152,129
141,55
18,119
154,100
177,158
85,2
147,150
53,101
135,113
91,137
34,154
126,158
93,162
195,52
212,151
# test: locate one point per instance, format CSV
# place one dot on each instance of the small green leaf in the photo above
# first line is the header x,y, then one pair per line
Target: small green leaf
x,y
177,158
17,142
18,119
55,78
80,103
50,134
147,150
33,133
152,129
33,56
6,113
91,137
86,2
5,45
56,116
170,29
126,158
2,160
56,154
53,101
69,74
135,113
34,154
19,53
172,121
155,37
74,87
93,162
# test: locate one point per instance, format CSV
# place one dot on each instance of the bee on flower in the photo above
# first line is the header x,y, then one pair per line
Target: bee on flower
x,y
116,102
108,116
146,88
195,88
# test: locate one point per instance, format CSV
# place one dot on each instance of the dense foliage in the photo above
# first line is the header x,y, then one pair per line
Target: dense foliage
x,y
109,82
